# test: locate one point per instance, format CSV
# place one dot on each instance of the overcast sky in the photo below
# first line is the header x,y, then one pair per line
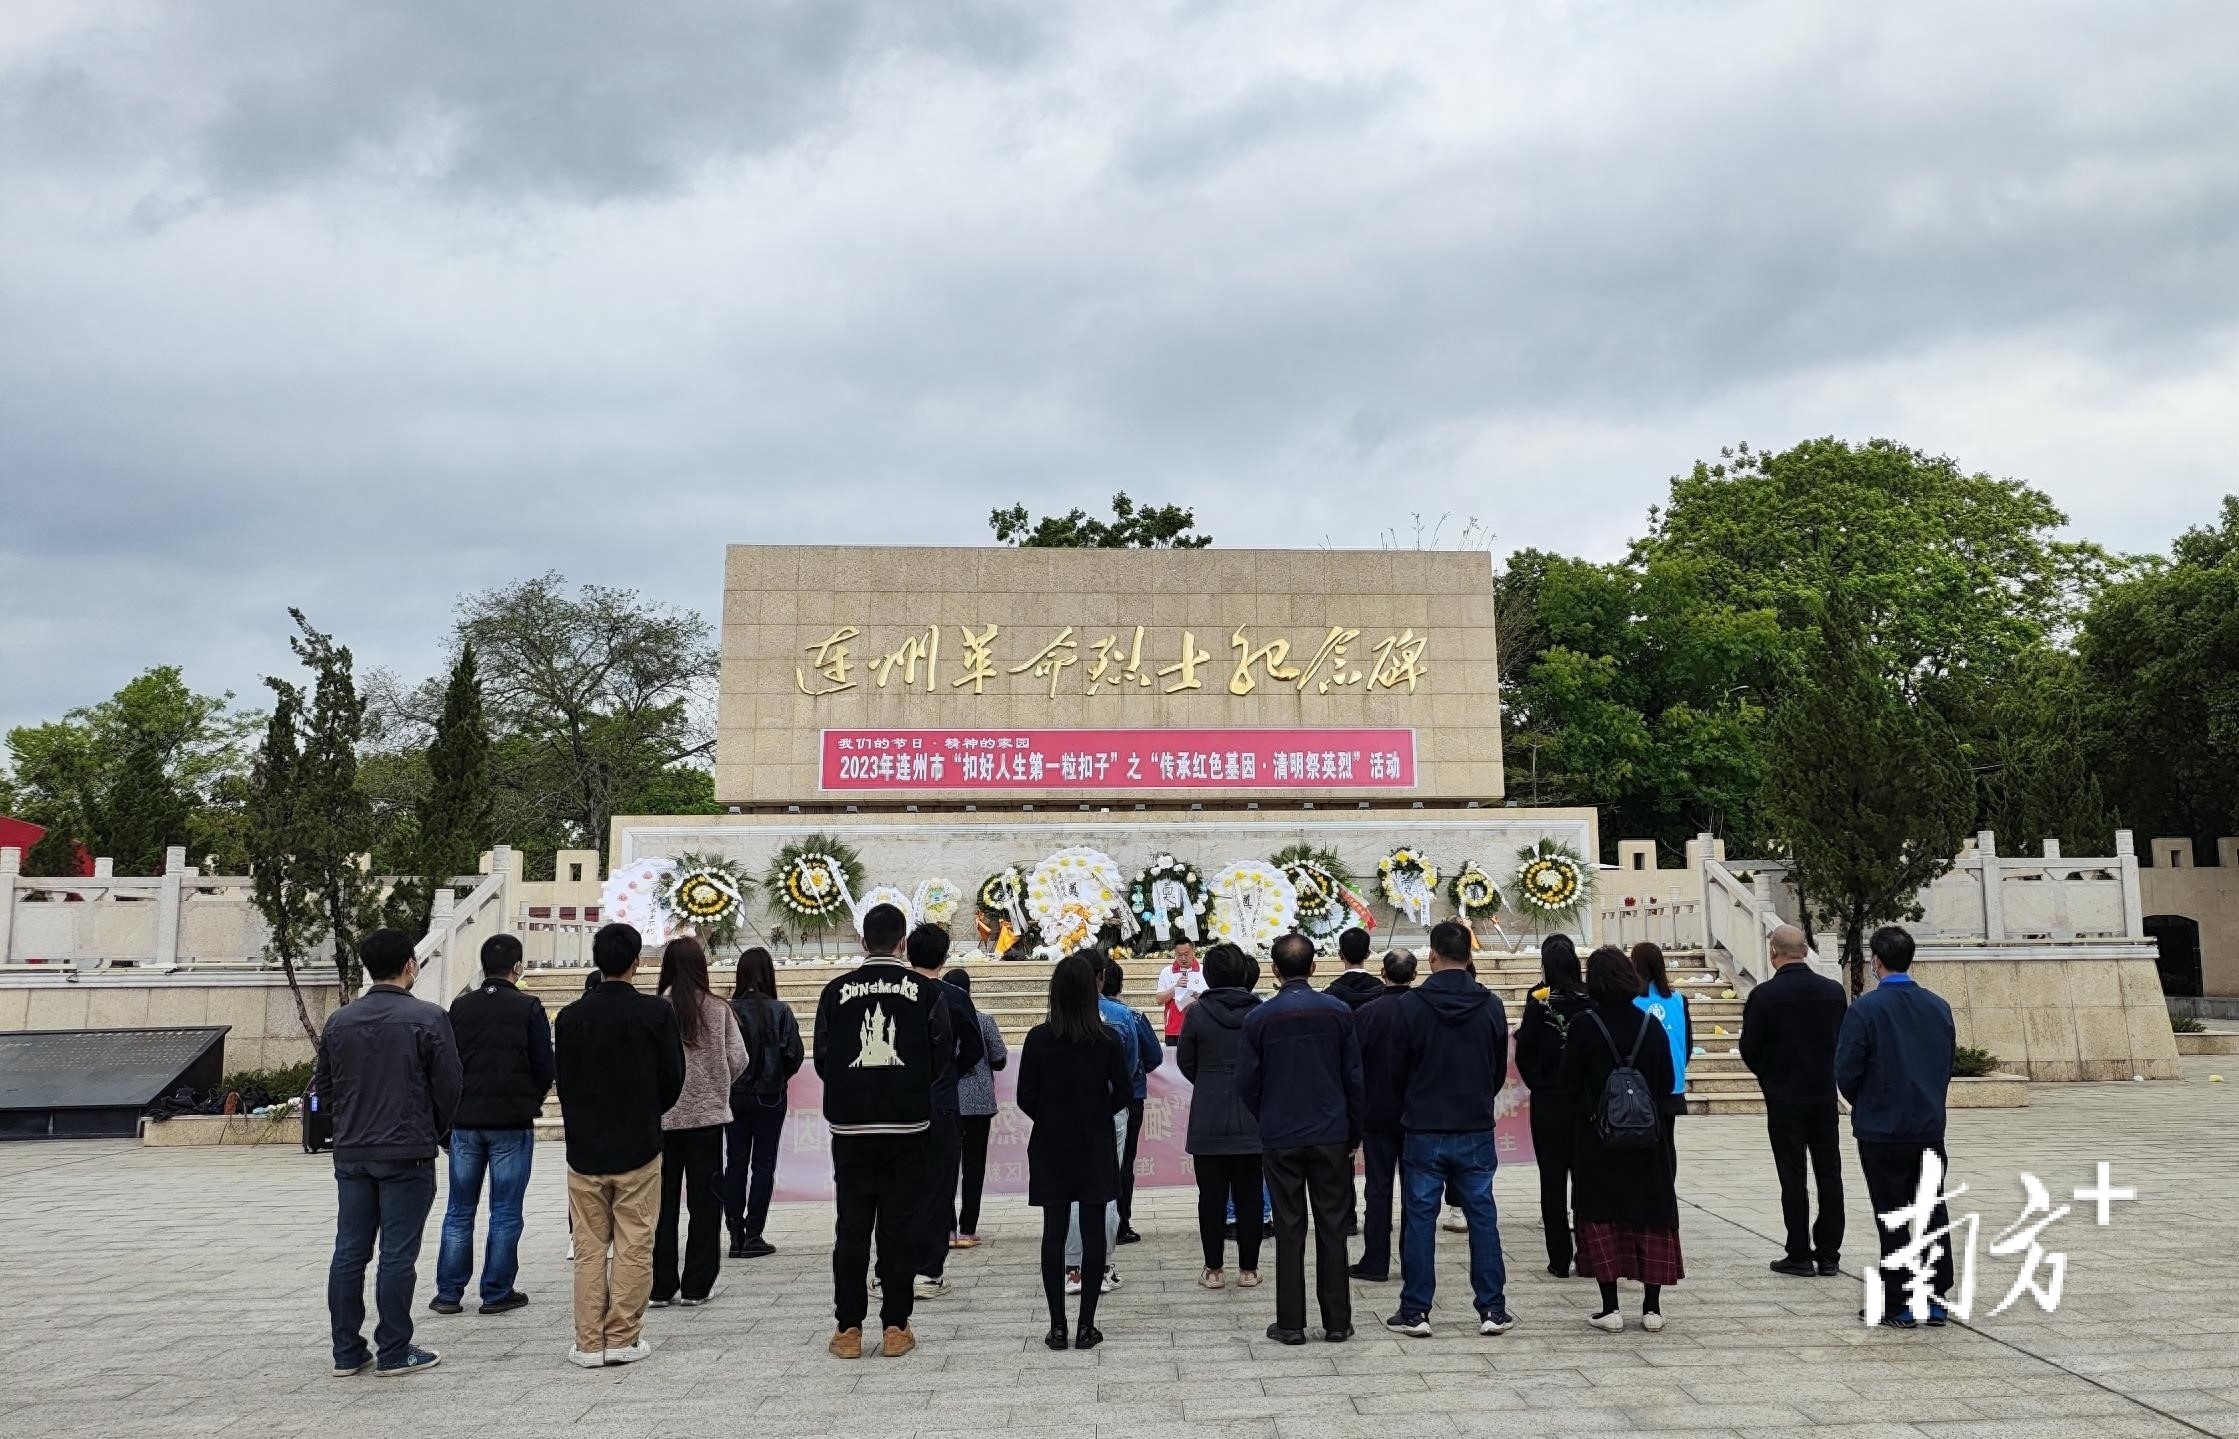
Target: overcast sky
x,y
358,306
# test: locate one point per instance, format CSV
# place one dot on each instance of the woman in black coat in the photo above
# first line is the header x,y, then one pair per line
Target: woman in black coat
x,y
1624,1199
1540,1037
1072,1078
1223,1135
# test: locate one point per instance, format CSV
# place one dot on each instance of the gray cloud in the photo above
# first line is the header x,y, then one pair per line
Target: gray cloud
x,y
361,307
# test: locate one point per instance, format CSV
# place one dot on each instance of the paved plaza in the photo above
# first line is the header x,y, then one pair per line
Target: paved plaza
x,y
161,1292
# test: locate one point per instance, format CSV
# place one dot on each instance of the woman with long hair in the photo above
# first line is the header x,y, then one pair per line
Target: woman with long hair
x,y
1223,1138
1657,997
975,1117
773,1054
692,1131
1072,1078
1540,1035
1624,1199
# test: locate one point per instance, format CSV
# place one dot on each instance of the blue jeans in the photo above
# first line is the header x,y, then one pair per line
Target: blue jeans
x,y
505,1155
1430,1164
388,1200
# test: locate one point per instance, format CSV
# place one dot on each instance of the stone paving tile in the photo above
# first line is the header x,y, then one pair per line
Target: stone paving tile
x,y
180,1293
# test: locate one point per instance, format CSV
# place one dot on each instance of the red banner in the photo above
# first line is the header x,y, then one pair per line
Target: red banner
x,y
1099,760
804,1169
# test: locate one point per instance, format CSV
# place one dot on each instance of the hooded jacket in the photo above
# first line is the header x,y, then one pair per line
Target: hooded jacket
x,y
1212,1040
1456,1055
1383,1034
1356,987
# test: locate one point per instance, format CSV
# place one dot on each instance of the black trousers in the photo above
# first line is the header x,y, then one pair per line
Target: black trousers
x,y
1222,1180
1798,1131
1551,1143
750,1161
1056,1221
691,1161
878,1184
1893,1181
937,1217
1319,1177
1380,1166
1127,1161
971,1132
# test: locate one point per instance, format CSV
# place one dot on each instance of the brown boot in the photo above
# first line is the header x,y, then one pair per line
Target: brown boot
x,y
847,1344
899,1342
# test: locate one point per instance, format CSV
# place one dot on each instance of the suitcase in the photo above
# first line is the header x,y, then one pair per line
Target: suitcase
x,y
318,1124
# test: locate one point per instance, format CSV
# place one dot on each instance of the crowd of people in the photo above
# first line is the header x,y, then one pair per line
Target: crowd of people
x,y
674,1102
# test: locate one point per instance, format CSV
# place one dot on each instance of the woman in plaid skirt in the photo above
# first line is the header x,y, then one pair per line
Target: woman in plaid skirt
x,y
1624,1200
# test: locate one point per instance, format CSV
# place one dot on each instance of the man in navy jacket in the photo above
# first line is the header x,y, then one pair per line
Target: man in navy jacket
x,y
1893,1063
1299,1073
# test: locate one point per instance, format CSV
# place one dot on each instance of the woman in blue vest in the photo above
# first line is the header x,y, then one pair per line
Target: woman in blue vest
x,y
1669,1006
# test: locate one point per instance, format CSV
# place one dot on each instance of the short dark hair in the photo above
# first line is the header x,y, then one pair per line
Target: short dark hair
x,y
615,948
1352,946
958,979
1293,954
384,953
883,927
1114,978
500,952
1450,941
1226,968
1892,945
1399,966
928,947
1610,976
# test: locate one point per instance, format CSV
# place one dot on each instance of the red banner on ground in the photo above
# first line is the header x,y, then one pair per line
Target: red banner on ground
x,y
1098,760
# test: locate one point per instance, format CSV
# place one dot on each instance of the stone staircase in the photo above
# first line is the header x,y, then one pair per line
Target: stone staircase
x,y
1016,993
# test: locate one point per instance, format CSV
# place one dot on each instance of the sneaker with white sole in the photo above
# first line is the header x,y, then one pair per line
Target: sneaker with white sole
x,y
1111,1280
1410,1323
1073,1281
1611,1323
631,1354
1495,1321
1455,1221
1653,1321
416,1360
596,1359
932,1286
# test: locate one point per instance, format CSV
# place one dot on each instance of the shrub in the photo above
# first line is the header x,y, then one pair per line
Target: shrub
x,y
286,1082
2186,1024
1968,1062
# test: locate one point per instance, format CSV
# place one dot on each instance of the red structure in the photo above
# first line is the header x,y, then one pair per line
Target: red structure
x,y
22,834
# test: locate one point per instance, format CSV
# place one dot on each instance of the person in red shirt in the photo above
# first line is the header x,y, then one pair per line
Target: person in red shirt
x,y
1179,985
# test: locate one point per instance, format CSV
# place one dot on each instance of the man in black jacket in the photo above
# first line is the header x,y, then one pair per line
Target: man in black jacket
x,y
882,1047
1299,1072
389,1074
505,1051
1789,1026
621,1067
1455,1059
1381,1033
1356,986
944,1153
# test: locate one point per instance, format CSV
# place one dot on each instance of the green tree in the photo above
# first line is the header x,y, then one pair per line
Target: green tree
x,y
281,835
451,819
1153,527
2042,781
1866,789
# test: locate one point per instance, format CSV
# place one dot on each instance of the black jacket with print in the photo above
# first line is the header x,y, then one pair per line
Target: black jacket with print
x,y
882,1045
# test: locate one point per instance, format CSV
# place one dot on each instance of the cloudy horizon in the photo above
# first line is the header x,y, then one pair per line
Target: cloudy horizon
x,y
360,308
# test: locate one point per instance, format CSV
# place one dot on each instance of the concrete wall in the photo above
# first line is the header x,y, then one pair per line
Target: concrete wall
x,y
263,1030
781,602
2207,895
2065,1012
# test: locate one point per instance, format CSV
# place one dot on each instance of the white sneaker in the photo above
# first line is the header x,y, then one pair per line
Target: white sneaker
x,y
596,1359
632,1354
571,1249
1454,1222
932,1287
1110,1281
1073,1282
1611,1323
1653,1321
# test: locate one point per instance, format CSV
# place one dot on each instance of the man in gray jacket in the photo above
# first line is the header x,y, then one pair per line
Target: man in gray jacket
x,y
388,1072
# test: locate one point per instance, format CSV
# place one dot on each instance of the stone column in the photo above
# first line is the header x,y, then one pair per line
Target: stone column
x,y
167,907
1993,896
2133,904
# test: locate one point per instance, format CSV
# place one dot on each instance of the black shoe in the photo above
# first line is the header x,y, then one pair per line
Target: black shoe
x,y
1560,1271
1127,1235
1281,1335
756,1247
513,1300
1336,1336
446,1306
1088,1336
659,1303
738,1246
1828,1269
1794,1268
1056,1338
1372,1276
1352,1229
1230,1231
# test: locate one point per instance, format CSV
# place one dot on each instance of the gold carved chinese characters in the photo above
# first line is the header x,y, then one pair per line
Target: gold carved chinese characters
x,y
1117,661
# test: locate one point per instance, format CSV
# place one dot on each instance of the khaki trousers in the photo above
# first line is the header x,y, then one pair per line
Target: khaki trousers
x,y
621,1209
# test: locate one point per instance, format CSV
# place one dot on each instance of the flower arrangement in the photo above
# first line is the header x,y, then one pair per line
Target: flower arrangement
x,y
1552,883
1473,892
1168,895
1253,904
1319,879
879,894
936,902
1410,882
1073,894
1000,896
813,880
708,894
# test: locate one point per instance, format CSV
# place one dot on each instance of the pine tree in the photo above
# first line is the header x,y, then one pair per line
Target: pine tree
x,y
1865,787
452,822
144,811
274,834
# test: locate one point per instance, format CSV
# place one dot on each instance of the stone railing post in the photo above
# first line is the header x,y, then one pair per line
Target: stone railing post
x,y
2133,903
11,865
1993,894
167,907
442,926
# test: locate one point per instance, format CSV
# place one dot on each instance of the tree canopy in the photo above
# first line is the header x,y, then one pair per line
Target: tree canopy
x,y
1153,527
